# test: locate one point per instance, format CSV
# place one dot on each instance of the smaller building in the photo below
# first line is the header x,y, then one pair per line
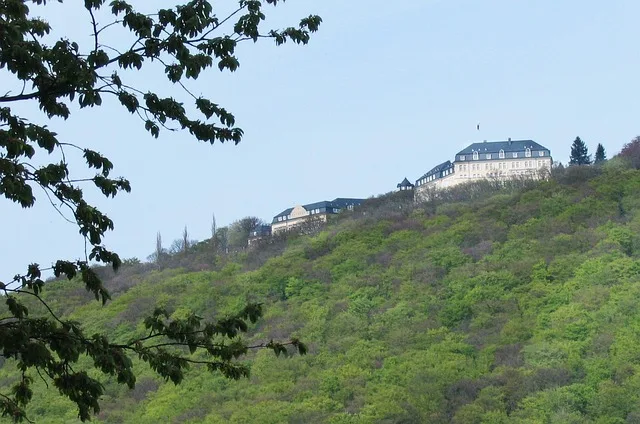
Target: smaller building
x,y
259,233
313,213
405,185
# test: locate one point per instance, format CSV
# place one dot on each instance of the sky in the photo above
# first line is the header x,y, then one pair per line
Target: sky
x,y
385,90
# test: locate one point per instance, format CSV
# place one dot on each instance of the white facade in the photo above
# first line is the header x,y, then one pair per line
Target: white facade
x,y
487,160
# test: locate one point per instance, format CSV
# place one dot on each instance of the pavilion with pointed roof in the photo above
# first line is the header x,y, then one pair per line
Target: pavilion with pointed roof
x,y
405,185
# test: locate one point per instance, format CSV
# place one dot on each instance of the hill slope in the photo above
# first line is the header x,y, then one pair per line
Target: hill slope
x,y
517,306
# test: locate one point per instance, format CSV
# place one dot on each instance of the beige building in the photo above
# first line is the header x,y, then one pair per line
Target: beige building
x,y
314,212
500,160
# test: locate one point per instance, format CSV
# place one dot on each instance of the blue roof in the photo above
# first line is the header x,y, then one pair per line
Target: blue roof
x,y
438,169
260,230
339,203
343,202
285,212
506,146
405,183
317,205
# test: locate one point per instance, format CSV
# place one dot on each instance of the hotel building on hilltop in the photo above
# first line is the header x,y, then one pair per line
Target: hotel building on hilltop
x,y
487,160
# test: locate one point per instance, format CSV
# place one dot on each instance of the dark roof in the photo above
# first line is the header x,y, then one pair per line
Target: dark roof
x,y
496,146
284,212
343,202
260,230
438,169
318,205
339,203
405,183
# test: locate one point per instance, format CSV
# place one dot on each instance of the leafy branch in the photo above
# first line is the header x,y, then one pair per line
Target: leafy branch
x,y
183,41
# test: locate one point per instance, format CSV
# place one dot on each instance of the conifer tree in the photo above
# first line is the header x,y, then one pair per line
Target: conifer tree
x,y
601,155
579,153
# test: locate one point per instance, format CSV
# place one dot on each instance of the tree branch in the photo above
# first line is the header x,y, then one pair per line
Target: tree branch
x,y
95,29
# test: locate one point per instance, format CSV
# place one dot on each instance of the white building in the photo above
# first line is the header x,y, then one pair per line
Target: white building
x,y
487,160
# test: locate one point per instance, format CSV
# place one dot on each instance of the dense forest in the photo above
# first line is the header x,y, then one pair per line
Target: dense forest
x,y
490,304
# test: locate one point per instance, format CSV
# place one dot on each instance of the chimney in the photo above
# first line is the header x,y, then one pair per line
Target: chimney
x,y
509,141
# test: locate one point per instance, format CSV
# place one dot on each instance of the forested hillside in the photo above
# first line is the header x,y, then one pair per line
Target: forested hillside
x,y
490,305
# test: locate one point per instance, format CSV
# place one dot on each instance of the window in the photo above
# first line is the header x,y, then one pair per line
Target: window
x,y
488,155
540,153
501,154
475,155
515,154
461,157
279,219
527,153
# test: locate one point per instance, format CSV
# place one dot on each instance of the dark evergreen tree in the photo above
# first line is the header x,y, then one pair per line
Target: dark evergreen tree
x,y
601,155
579,153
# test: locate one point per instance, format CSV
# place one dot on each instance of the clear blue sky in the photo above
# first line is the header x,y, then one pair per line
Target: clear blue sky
x,y
385,90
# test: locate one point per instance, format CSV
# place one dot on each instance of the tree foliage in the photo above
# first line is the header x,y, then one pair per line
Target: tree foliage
x,y
631,152
183,41
579,153
496,304
239,231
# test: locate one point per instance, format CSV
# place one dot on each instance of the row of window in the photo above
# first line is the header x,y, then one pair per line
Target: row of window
x,y
501,165
434,176
497,174
314,212
501,155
